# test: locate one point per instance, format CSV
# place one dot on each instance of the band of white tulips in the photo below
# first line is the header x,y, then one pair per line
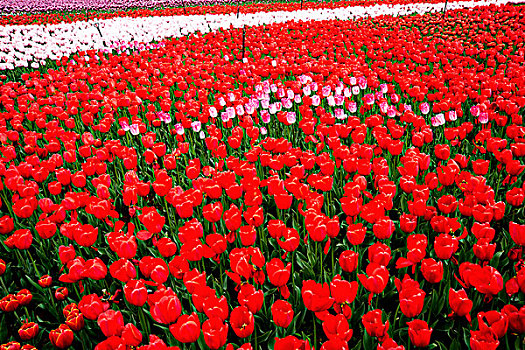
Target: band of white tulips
x,y
24,46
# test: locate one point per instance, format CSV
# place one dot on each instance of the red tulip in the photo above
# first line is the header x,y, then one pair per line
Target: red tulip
x,y
62,337
187,329
316,297
44,281
384,228
250,297
135,292
517,233
411,296
291,342
376,281
432,270
278,275
61,293
9,303
75,321
374,325
336,327
516,318
92,306
344,293
348,260
419,333
131,336
111,323
215,332
2,267
460,303
484,250
24,297
242,321
167,308
29,330
498,322
484,339
282,313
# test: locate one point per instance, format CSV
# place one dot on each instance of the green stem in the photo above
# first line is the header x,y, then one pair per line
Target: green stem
x,y
20,258
34,264
145,326
315,333
4,286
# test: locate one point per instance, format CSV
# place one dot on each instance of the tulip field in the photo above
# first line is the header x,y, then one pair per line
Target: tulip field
x,y
262,175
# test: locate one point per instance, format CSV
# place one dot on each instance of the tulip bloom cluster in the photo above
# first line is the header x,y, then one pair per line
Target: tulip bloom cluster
x,y
53,12
334,185
31,46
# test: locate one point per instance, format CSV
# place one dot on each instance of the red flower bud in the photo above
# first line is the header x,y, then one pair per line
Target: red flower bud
x,y
28,331
62,337
61,293
45,281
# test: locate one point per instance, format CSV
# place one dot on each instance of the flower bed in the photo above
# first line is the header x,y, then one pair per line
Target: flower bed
x,y
147,9
335,184
24,46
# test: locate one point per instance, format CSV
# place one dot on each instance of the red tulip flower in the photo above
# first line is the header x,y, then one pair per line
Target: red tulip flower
x,y
348,260
344,293
251,298
135,292
432,270
282,313
279,275
290,342
376,281
187,329
336,327
516,318
517,233
131,335
316,296
111,323
460,303
62,337
498,322
215,332
374,325
242,321
29,330
166,306
484,339
419,333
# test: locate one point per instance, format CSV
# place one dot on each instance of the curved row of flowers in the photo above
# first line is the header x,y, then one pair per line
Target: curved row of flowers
x,y
14,6
150,10
24,46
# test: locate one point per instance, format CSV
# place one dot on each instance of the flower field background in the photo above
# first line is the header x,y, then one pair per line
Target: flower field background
x,y
307,181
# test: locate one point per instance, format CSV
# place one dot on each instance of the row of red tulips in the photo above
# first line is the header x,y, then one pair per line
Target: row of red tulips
x,y
346,185
224,9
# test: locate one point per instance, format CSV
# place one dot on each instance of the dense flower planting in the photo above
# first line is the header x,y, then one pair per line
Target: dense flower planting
x,y
308,184
32,6
226,7
30,46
